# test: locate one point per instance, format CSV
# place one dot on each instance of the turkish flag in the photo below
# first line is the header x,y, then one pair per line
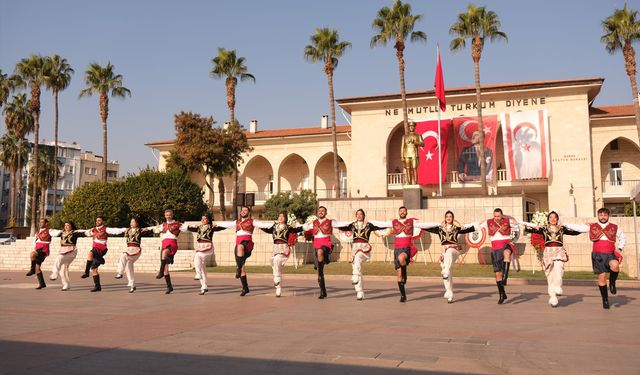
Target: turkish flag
x,y
438,84
429,154
467,155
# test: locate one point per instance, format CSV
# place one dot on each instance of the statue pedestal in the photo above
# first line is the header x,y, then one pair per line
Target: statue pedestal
x,y
412,197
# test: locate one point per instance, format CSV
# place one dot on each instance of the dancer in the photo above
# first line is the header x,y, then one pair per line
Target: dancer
x,y
499,229
68,252
554,255
403,246
40,252
204,248
128,257
283,240
321,228
448,232
361,253
170,230
95,259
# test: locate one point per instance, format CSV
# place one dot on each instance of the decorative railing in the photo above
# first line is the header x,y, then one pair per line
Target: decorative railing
x,y
618,187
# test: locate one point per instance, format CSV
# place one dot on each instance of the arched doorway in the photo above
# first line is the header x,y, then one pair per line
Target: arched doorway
x,y
619,172
324,176
258,179
294,174
395,172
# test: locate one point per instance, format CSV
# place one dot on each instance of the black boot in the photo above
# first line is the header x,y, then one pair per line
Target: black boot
x,y
245,285
403,295
239,264
96,281
86,269
605,296
161,270
613,276
323,289
404,274
505,272
32,270
503,295
41,281
167,279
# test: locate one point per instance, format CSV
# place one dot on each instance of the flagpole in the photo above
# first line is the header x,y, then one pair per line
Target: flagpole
x,y
439,145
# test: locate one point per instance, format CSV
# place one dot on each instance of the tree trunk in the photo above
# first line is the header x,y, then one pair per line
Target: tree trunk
x,y
43,199
35,108
236,189
476,53
19,176
55,149
334,136
12,197
231,102
212,196
104,113
403,92
630,66
223,209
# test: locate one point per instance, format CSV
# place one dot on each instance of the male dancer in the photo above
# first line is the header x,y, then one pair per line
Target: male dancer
x,y
204,248
40,252
321,228
170,230
95,259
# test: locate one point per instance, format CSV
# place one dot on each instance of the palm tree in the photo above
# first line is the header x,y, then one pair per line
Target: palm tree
x,y
622,28
33,70
397,24
325,47
477,24
58,78
9,153
19,120
102,80
49,173
231,67
7,84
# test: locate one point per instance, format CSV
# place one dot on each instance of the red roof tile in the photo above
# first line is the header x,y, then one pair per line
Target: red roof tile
x,y
612,111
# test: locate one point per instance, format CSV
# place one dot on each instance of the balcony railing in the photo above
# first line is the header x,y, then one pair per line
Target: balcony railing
x,y
330,193
618,188
396,180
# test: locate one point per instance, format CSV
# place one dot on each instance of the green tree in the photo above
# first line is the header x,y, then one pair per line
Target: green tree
x,y
397,24
622,28
32,71
228,66
11,149
95,199
49,172
478,24
7,84
57,79
302,205
325,47
102,80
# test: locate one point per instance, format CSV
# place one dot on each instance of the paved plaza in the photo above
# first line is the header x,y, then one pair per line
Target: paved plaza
x,y
114,332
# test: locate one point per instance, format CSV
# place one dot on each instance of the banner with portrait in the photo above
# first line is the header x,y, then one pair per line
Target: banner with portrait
x,y
526,144
467,139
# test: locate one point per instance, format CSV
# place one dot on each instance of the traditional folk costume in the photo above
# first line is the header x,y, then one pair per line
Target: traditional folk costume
x,y
244,236
99,250
130,255
402,229
321,229
42,243
284,238
67,254
204,249
501,240
361,250
554,256
448,234
608,242
169,232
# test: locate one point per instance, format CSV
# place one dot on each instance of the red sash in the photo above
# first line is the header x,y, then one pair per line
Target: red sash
x,y
249,246
99,246
604,247
499,244
44,247
318,242
170,242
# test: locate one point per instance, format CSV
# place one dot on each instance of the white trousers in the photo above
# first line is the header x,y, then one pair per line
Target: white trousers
x,y
356,266
449,257
125,265
277,263
554,278
200,262
61,267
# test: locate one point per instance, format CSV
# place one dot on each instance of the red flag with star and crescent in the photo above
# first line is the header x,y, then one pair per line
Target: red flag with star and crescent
x,y
466,135
438,85
429,155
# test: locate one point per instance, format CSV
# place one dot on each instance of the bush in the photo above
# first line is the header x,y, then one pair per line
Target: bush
x,y
302,205
106,199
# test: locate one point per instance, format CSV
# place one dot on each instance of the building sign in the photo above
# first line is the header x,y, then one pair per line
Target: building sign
x,y
510,103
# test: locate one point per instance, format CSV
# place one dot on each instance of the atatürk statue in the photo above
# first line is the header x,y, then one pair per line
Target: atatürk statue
x,y
410,143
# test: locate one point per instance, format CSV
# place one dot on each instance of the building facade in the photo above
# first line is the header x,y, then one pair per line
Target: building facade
x,y
92,167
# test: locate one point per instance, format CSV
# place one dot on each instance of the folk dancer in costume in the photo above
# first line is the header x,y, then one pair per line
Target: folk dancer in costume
x,y
321,228
554,255
361,253
95,259
40,252
606,256
284,238
499,229
404,250
244,242
169,230
448,232
128,257
68,252
204,248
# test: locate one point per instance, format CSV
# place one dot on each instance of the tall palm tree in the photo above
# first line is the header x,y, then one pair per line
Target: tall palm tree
x,y
396,24
19,121
622,28
325,47
103,81
33,70
7,84
9,154
49,172
477,24
228,66
58,79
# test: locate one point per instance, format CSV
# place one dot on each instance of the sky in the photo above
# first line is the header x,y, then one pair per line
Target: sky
x,y
164,49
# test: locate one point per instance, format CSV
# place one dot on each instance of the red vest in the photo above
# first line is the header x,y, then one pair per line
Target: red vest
x,y
245,225
325,227
399,227
596,231
503,227
174,227
43,235
99,233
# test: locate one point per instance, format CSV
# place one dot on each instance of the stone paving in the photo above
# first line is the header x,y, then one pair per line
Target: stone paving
x,y
115,332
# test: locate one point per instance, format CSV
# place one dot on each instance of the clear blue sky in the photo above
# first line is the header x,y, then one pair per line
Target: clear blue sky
x,y
164,50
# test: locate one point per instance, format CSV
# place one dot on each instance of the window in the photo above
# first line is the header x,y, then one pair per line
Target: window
x,y
530,208
615,174
614,145
112,174
87,170
271,185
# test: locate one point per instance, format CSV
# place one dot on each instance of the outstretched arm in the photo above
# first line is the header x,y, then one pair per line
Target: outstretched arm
x,y
55,232
425,224
381,224
620,239
582,228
